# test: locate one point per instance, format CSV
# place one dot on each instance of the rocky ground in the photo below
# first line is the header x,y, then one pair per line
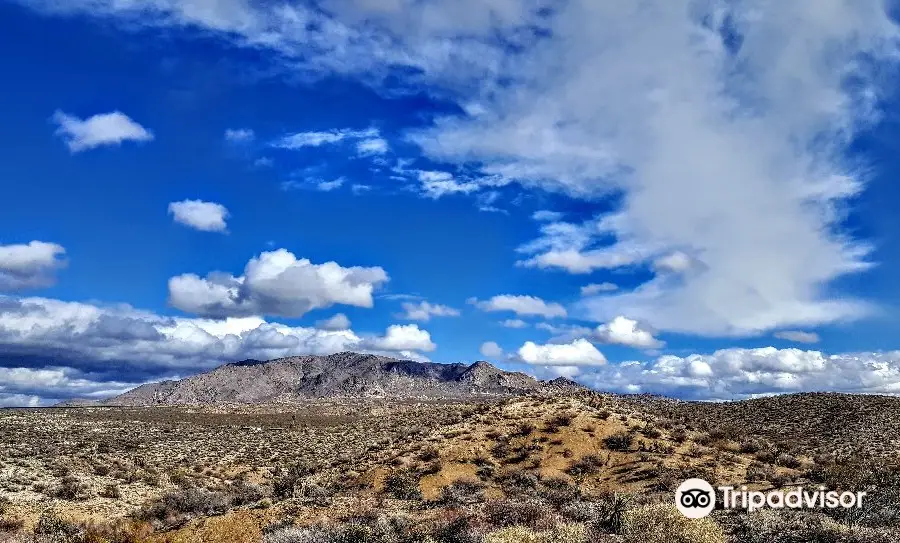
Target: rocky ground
x,y
578,466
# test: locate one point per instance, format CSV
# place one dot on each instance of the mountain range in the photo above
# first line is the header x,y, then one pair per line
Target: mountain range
x,y
340,375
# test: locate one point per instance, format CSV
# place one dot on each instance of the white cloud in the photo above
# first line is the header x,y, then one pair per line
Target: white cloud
x,y
98,130
360,189
120,340
31,265
624,331
200,215
546,215
743,373
798,336
596,288
263,162
565,333
715,148
328,186
276,283
402,337
572,247
239,135
521,305
514,323
675,262
423,311
372,146
337,322
316,139
578,353
490,349
16,384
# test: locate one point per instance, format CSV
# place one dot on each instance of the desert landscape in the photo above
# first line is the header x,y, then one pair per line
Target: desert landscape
x,y
420,458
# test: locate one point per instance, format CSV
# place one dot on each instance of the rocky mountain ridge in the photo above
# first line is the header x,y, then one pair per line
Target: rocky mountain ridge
x,y
340,375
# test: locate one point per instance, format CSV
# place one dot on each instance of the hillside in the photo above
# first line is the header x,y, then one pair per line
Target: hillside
x,y
341,375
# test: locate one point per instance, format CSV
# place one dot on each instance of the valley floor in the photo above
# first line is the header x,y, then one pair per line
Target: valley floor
x,y
566,467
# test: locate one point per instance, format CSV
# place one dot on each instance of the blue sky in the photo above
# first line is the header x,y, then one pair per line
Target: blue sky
x,y
192,182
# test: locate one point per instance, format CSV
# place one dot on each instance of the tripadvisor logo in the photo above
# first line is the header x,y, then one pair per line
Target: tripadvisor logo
x,y
696,498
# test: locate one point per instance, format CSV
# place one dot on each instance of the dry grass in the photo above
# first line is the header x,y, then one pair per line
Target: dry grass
x,y
576,467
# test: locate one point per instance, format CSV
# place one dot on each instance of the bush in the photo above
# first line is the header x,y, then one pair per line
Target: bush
x,y
69,488
564,533
506,513
465,491
663,523
589,464
619,442
403,485
291,534
771,526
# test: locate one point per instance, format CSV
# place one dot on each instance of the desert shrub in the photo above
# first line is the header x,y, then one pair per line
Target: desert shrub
x,y
291,534
512,534
403,485
429,454
289,478
57,529
611,512
559,491
242,493
589,464
506,513
663,523
788,461
580,511
464,491
176,507
69,488
620,441
771,526
10,524
111,491
518,481
525,429
760,472
564,533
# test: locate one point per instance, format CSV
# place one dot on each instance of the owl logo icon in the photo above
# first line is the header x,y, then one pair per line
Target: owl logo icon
x,y
695,498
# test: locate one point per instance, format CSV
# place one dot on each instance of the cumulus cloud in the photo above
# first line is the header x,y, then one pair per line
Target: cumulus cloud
x,y
200,215
28,386
402,337
337,322
101,344
797,336
744,373
31,265
239,135
520,305
596,288
579,352
624,331
276,283
490,349
98,130
423,311
696,106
